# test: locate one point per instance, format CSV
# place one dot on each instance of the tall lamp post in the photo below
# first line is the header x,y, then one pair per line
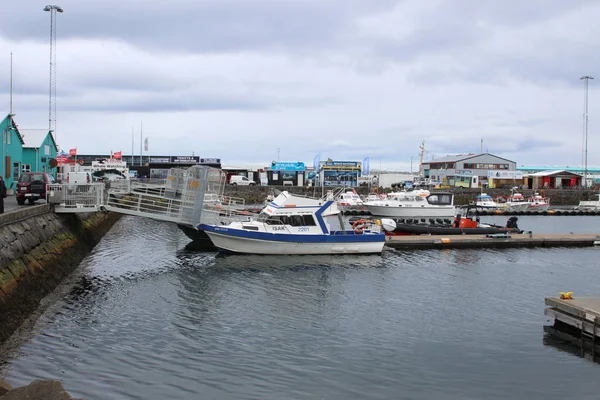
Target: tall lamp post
x,y
586,80
53,9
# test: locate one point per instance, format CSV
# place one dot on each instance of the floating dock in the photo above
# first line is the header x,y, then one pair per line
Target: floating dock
x,y
557,212
580,315
491,241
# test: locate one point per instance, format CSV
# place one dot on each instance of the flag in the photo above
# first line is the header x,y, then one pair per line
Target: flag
x,y
146,144
366,167
73,152
117,154
316,162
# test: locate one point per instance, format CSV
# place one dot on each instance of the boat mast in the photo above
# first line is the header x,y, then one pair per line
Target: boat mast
x,y
421,154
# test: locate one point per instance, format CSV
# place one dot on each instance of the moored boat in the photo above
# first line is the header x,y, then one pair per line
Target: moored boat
x,y
292,224
589,205
538,203
460,226
516,202
414,204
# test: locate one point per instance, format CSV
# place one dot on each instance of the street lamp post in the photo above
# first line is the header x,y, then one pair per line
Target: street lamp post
x,y
586,80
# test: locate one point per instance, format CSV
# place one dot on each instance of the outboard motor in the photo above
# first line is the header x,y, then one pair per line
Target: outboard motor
x,y
512,223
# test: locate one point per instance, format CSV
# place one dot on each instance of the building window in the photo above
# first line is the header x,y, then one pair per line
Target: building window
x,y
46,150
8,136
26,168
16,170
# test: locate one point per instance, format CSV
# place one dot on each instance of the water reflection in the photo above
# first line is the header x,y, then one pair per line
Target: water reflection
x,y
568,340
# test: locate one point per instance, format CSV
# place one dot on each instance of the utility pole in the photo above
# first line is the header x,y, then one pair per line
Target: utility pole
x,y
52,102
411,165
586,80
11,85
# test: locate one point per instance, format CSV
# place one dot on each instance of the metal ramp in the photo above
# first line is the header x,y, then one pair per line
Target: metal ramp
x,y
75,198
186,197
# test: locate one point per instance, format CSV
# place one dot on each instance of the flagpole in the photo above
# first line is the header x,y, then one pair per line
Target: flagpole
x,y
141,140
132,146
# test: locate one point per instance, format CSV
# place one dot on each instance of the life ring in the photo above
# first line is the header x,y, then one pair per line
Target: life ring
x,y
359,225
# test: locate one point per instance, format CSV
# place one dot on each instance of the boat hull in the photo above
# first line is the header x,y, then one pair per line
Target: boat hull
x,y
538,207
247,242
415,229
412,212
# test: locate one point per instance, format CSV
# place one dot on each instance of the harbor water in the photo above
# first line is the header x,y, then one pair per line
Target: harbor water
x,y
147,317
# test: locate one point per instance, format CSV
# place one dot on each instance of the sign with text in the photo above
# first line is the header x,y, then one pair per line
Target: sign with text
x,y
185,159
505,174
288,166
210,161
159,160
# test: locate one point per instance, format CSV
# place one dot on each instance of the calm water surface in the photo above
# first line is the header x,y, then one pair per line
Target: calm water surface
x,y
147,318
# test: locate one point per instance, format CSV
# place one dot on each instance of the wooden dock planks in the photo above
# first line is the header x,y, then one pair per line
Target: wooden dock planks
x,y
582,313
481,241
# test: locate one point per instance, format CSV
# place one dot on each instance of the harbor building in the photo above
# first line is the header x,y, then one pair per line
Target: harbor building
x,y
39,148
472,170
11,152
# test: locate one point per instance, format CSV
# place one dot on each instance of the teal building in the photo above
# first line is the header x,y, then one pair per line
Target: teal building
x,y
38,150
11,152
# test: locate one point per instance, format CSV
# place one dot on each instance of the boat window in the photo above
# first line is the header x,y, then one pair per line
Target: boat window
x,y
440,199
250,228
276,220
296,220
308,220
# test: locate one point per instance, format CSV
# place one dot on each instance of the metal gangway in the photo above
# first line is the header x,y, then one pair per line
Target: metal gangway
x,y
185,197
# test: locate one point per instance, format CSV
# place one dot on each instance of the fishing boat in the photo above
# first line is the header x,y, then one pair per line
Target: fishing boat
x,y
516,202
485,201
292,224
589,205
414,204
462,225
538,203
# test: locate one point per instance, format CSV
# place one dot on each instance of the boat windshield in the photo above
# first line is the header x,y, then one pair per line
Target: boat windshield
x,y
440,199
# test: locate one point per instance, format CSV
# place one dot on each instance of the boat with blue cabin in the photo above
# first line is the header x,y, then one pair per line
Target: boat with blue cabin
x,y
292,224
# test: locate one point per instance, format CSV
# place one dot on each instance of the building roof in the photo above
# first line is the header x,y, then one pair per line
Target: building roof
x,y
11,120
454,158
35,137
462,157
551,168
553,172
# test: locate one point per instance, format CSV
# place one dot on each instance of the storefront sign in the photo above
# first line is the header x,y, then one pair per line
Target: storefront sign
x,y
505,174
342,165
288,166
210,161
185,159
159,160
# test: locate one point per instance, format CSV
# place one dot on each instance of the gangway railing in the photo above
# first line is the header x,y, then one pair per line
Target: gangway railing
x,y
75,198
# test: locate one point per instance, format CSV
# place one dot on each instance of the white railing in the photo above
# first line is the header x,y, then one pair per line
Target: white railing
x,y
71,197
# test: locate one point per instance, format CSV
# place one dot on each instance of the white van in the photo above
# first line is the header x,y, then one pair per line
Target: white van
x,y
241,180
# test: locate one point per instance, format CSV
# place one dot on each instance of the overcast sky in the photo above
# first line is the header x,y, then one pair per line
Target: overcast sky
x,y
245,79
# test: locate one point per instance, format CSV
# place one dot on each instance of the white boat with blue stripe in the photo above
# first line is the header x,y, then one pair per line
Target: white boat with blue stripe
x,y
297,225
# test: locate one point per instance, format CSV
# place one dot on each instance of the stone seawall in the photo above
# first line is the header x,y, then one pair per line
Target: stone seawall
x,y
38,249
462,196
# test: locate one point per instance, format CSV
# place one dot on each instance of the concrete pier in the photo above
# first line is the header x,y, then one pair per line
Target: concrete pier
x,y
483,241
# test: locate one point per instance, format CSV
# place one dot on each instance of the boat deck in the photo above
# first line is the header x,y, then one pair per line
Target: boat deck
x,y
488,241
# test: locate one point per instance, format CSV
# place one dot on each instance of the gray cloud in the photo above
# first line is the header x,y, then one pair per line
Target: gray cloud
x,y
188,26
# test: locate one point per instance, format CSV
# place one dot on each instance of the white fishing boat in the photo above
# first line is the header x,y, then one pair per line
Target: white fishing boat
x,y
516,202
538,203
484,200
414,204
297,225
589,205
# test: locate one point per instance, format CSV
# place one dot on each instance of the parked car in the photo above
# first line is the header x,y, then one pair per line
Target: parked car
x,y
241,180
32,186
